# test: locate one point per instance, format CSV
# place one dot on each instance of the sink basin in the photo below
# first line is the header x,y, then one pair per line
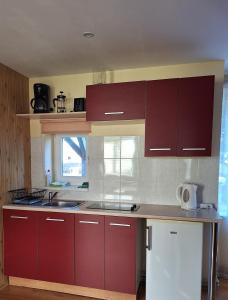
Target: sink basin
x,y
63,204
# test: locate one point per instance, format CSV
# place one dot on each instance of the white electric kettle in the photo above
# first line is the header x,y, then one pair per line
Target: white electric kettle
x,y
186,194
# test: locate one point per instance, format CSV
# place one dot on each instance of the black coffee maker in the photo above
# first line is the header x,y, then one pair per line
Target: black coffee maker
x,y
41,101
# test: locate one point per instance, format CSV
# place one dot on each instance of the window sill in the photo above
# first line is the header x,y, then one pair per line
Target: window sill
x,y
67,188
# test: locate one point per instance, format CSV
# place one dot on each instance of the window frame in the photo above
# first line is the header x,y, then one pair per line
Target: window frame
x,y
58,157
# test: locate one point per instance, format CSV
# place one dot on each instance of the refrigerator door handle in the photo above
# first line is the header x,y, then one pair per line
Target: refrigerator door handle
x,y
149,238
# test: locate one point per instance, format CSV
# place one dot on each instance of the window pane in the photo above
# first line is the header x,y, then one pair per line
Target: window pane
x,y
74,156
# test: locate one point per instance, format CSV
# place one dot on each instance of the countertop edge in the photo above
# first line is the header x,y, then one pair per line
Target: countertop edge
x,y
144,215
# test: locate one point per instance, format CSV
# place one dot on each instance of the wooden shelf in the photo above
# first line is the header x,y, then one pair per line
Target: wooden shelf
x,y
48,116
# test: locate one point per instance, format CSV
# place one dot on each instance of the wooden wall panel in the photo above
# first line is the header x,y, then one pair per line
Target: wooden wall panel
x,y
14,139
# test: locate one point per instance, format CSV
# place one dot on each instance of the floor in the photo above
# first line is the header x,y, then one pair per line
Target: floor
x,y
20,293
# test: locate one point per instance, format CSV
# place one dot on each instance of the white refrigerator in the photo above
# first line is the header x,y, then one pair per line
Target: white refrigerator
x,y
174,260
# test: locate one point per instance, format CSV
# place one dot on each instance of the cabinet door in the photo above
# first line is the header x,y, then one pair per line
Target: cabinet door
x,y
196,116
161,129
20,242
56,247
120,254
89,251
116,101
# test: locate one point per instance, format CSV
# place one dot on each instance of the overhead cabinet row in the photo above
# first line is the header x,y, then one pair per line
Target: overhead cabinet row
x,y
178,112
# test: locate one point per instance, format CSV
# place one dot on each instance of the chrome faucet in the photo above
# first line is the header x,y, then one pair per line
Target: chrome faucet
x,y
51,196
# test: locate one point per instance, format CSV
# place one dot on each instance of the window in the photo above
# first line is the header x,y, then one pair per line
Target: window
x,y
70,159
223,166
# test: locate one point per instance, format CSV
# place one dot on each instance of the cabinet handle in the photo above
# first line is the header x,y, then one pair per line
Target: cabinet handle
x,y
18,217
55,220
160,149
118,224
193,149
149,238
89,222
114,113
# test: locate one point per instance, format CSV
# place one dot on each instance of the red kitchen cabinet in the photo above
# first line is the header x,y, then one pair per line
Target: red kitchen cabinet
x,y
195,116
89,251
56,247
116,101
20,243
161,118
120,254
179,117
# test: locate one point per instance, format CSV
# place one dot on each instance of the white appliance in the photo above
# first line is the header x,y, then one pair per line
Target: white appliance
x,y
186,194
174,260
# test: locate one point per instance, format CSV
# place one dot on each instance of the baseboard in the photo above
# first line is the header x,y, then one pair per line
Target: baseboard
x,y
3,285
70,289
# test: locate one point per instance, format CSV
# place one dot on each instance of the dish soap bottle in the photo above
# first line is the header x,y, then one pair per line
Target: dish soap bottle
x,y
48,178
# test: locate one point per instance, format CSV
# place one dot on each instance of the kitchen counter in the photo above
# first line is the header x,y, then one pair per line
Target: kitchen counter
x,y
146,211
160,212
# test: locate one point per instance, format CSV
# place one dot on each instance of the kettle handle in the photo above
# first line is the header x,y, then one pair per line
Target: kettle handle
x,y
32,103
179,192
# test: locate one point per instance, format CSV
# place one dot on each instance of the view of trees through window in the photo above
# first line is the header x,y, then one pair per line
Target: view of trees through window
x,y
74,156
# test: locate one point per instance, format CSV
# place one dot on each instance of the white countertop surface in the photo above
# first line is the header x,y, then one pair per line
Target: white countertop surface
x,y
146,211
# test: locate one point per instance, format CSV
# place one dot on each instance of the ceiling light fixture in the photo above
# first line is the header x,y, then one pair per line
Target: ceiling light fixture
x,y
88,35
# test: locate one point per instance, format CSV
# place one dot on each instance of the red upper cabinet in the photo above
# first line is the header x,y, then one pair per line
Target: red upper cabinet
x,y
161,118
116,101
20,232
56,247
195,116
89,251
120,254
179,117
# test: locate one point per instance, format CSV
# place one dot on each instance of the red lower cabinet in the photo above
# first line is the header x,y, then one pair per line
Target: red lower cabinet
x,y
20,245
120,254
89,251
86,250
56,247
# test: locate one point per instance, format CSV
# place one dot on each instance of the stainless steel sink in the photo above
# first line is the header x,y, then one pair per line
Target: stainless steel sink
x,y
63,204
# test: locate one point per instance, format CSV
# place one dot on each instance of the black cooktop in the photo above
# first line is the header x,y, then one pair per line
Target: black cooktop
x,y
114,206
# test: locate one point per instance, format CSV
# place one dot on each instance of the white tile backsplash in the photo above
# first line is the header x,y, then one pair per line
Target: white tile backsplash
x,y
37,165
96,147
111,188
96,168
135,178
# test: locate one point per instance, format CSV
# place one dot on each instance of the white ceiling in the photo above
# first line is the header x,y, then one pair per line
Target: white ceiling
x,y
44,37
